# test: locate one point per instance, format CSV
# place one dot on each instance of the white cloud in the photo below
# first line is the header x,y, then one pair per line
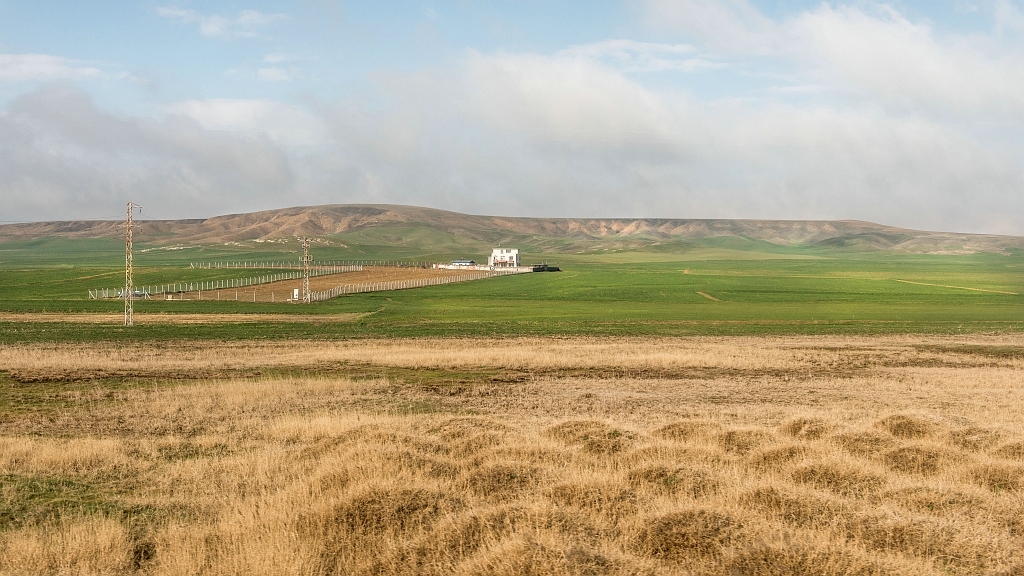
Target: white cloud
x,y
273,74
633,56
905,63
281,123
281,70
43,67
1009,19
63,158
564,99
866,50
551,135
573,133
253,19
247,24
729,26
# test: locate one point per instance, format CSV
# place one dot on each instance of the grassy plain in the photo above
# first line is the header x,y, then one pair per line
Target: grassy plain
x,y
704,456
713,286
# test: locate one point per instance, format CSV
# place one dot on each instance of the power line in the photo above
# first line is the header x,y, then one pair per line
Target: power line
x,y
100,219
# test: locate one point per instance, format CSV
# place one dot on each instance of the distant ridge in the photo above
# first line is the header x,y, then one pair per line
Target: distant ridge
x,y
345,218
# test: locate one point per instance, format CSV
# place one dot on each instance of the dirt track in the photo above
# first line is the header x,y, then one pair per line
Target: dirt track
x,y
145,318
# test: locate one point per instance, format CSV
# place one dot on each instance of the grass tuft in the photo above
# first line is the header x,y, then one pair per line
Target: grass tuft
x,y
609,500
916,459
865,443
501,481
796,507
527,556
943,501
695,482
779,456
688,534
806,428
999,477
743,441
1011,451
838,477
974,438
594,437
685,430
379,510
800,559
906,426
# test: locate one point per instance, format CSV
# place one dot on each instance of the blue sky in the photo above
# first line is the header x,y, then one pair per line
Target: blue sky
x,y
905,113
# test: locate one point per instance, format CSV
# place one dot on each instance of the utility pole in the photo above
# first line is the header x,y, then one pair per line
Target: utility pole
x,y
128,287
305,270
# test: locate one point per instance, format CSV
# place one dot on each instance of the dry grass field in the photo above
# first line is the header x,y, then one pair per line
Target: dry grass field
x,y
703,456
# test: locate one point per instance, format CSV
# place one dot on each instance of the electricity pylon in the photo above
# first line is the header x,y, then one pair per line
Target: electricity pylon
x,y
128,287
305,270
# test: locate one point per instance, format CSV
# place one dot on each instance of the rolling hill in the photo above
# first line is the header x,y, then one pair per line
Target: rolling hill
x,y
395,224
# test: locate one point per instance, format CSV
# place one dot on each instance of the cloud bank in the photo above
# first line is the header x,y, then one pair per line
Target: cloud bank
x,y
862,114
43,67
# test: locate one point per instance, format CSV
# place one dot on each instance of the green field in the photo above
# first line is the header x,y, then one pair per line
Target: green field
x,y
748,287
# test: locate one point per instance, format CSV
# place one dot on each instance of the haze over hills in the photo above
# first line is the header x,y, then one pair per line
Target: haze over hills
x,y
569,233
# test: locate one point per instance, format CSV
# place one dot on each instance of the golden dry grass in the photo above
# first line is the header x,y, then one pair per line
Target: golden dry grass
x,y
741,456
776,359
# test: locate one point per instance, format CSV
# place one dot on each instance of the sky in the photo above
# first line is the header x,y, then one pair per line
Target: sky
x,y
908,113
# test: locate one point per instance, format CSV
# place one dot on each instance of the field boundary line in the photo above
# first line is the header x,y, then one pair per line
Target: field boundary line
x,y
958,287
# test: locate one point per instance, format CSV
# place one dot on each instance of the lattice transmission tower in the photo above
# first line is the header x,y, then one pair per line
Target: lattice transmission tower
x,y
306,261
129,289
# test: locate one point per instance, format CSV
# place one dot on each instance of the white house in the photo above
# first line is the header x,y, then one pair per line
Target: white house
x,y
504,258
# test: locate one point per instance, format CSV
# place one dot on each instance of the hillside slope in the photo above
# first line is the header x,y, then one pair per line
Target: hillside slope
x,y
329,220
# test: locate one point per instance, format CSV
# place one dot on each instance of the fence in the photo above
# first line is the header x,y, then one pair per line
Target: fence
x,y
315,296
262,265
147,291
403,284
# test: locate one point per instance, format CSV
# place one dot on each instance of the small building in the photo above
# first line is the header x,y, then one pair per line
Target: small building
x,y
463,264
504,258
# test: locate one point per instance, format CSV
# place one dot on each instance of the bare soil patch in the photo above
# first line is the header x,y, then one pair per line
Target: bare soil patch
x,y
151,318
282,291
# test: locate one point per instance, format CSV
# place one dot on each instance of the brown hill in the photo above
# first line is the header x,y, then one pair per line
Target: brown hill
x,y
346,218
